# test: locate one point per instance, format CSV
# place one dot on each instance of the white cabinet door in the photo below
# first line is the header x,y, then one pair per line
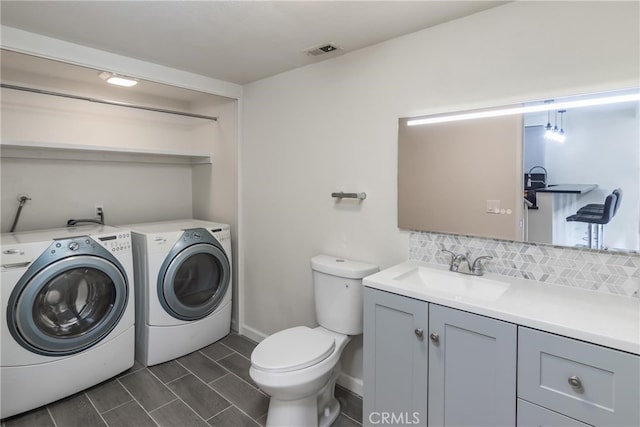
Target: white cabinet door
x,y
472,369
395,360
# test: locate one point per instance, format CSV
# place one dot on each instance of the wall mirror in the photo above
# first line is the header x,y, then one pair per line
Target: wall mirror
x,y
519,172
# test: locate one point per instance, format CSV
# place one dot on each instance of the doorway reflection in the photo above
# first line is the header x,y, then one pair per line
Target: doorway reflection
x,y
601,153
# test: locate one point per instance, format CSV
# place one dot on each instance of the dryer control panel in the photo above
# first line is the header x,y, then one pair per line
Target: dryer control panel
x,y
221,234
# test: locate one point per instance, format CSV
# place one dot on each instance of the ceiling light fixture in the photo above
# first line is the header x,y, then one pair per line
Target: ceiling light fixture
x,y
117,79
589,102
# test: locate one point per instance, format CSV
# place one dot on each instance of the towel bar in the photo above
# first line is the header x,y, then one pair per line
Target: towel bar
x,y
342,195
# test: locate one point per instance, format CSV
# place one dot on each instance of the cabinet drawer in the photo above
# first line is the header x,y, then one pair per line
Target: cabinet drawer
x,y
530,415
593,384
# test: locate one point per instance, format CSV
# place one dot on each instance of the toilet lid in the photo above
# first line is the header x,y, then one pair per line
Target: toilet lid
x,y
292,349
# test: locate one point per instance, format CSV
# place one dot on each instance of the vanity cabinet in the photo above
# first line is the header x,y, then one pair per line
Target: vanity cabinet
x,y
472,369
466,362
530,354
395,365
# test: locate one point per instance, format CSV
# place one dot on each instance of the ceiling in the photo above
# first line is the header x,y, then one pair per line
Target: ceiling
x,y
234,41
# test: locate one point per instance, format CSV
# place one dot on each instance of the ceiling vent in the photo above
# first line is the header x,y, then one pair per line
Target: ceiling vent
x,y
322,50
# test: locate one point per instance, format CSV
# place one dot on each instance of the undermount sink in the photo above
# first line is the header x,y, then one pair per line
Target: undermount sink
x,y
452,283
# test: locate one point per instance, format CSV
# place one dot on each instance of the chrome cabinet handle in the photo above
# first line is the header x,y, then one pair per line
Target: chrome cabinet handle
x,y
435,338
419,333
575,382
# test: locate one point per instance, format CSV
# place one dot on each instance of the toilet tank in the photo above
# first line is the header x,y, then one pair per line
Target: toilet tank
x,y
338,292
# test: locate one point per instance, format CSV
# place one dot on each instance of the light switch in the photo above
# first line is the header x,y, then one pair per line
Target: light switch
x,y
493,206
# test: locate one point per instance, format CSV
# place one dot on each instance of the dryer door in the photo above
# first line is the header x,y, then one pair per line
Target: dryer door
x,y
67,306
195,282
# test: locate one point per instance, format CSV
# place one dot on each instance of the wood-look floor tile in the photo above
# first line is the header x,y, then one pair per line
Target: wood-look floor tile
x,y
238,365
248,399
344,421
108,395
38,417
228,384
177,414
262,420
75,411
128,415
147,389
242,345
168,371
216,351
203,367
232,417
199,396
136,367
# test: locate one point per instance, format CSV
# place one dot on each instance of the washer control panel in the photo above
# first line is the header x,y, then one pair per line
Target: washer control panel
x,y
116,243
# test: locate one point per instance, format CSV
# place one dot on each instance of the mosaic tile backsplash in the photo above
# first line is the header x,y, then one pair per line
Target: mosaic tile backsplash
x,y
608,272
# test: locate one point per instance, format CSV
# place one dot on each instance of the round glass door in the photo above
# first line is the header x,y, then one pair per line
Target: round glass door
x,y
195,282
69,306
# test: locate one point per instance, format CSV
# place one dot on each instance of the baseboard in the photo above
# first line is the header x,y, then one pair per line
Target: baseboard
x,y
352,384
252,334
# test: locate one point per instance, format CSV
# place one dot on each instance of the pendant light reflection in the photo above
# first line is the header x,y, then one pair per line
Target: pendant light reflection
x,y
555,134
548,126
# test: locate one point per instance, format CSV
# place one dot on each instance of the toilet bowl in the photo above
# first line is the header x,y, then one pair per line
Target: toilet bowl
x,y
312,361
298,367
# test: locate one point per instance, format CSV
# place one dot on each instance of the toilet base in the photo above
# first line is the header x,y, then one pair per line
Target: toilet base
x,y
320,409
330,414
301,412
328,405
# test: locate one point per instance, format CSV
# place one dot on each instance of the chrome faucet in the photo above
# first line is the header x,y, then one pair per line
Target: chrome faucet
x,y
454,264
475,268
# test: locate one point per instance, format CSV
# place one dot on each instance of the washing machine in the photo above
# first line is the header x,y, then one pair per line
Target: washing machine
x,y
182,271
68,313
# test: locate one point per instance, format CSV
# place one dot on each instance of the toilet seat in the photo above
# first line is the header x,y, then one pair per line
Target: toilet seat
x,y
292,349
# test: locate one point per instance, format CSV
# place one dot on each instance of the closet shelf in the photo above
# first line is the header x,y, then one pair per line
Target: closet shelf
x,y
60,151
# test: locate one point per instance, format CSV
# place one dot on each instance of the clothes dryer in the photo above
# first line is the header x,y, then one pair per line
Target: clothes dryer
x,y
67,312
182,271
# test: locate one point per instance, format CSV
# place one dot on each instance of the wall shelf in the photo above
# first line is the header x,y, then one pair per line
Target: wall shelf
x,y
60,151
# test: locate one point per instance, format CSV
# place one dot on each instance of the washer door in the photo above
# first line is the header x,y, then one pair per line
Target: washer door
x,y
195,282
68,306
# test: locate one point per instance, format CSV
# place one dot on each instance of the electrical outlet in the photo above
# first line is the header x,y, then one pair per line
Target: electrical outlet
x,y
98,209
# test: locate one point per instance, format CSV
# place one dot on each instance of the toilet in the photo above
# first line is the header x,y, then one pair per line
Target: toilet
x,y
298,367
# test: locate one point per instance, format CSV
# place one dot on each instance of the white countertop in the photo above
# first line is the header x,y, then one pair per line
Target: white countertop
x,y
604,319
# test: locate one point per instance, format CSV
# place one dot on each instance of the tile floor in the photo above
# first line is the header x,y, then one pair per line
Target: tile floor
x,y
210,387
